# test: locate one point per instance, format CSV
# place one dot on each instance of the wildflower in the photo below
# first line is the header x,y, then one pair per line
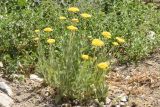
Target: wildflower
x,y
48,29
72,28
51,41
103,65
85,57
36,39
37,31
73,9
75,20
120,40
62,18
97,42
106,34
115,43
85,15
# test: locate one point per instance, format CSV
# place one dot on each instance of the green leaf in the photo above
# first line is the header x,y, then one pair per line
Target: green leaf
x,y
22,2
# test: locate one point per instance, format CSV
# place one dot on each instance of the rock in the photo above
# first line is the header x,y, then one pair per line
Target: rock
x,y
151,35
124,98
108,100
5,100
1,64
36,78
120,68
5,88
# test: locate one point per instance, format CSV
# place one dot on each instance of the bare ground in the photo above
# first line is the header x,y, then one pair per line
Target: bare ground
x,y
140,82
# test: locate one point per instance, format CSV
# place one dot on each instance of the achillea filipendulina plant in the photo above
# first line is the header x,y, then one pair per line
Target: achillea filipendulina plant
x,y
85,15
97,42
73,9
68,69
48,29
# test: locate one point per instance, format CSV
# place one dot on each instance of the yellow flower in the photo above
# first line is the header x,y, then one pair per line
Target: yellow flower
x,y
73,9
115,43
75,20
48,29
62,18
97,42
37,31
51,41
36,39
85,15
85,57
103,65
106,34
120,40
72,28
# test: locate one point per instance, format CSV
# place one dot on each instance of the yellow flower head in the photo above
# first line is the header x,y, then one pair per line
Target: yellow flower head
x,y
115,43
37,31
51,41
85,15
36,39
48,29
73,9
97,42
120,40
75,20
85,57
106,34
72,28
103,65
62,18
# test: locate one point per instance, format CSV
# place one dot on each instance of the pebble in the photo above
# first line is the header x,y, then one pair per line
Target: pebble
x,y
36,78
124,98
5,100
108,100
5,88
1,64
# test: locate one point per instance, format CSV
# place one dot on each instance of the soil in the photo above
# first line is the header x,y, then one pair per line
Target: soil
x,y
140,82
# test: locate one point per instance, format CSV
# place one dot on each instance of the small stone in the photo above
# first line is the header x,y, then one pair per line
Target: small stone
x,y
66,105
35,77
124,98
151,35
1,64
5,88
5,100
120,68
118,106
108,100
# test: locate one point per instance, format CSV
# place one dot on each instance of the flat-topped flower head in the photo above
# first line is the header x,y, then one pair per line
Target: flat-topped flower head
x,y
51,41
97,42
75,20
85,15
120,40
85,57
37,31
115,43
62,18
106,34
103,65
48,29
73,9
72,28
